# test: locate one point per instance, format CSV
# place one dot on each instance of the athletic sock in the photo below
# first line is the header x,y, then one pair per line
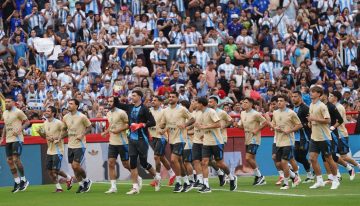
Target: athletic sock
x,y
157,176
348,167
136,186
200,178
309,174
86,179
206,182
113,184
319,178
171,172
139,178
178,179
220,172
257,172
231,176
23,178
17,180
68,177
296,173
330,176
292,174
58,186
286,180
81,183
281,173
191,178
186,179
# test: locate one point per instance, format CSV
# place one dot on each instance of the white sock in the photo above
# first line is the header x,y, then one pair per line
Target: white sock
x,y
58,186
86,180
296,173
200,178
257,172
286,181
220,172
136,186
191,178
330,177
194,172
348,167
17,180
178,179
309,174
319,178
157,176
186,180
335,179
206,182
81,183
68,177
281,173
113,184
292,174
139,178
23,179
171,172
231,176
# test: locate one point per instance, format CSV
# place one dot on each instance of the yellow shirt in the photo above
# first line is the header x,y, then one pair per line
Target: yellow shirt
x,y
76,126
117,119
285,119
250,121
342,129
54,129
13,123
158,116
211,136
224,119
198,133
320,131
174,117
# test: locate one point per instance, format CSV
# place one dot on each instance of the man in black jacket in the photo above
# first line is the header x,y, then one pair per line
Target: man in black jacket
x,y
302,136
140,119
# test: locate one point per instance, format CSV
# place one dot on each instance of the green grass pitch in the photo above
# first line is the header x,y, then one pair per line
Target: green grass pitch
x,y
348,195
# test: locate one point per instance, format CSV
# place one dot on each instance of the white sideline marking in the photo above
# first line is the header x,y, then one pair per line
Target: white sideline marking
x,y
225,190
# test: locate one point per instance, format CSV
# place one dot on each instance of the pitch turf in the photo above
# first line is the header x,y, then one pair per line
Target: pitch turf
x,y
348,195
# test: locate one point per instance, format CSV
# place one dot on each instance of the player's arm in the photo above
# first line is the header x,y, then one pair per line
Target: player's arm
x,y
297,124
3,135
228,120
262,123
211,126
187,115
124,126
325,119
41,132
338,117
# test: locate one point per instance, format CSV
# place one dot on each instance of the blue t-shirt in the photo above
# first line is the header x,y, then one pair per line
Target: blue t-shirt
x,y
158,81
20,50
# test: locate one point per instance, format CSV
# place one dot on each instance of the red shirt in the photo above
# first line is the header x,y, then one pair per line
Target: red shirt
x,y
163,89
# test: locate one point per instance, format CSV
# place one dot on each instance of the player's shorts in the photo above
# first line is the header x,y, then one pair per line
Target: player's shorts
x,y
177,148
284,153
116,150
76,154
197,151
343,146
53,162
138,148
302,145
187,155
13,148
158,145
251,148
213,150
323,147
273,149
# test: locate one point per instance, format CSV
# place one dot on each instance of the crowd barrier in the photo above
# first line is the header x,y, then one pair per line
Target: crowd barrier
x,y
34,156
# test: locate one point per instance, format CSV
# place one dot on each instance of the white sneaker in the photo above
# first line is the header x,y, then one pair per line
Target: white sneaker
x,y
317,185
284,187
111,190
352,174
335,185
140,182
297,181
157,185
133,191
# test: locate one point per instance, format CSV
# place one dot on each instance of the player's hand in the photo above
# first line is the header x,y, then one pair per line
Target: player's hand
x,y
182,126
311,118
103,134
51,139
332,128
136,126
285,131
56,140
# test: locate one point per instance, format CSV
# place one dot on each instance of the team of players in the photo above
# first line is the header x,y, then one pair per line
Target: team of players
x,y
196,134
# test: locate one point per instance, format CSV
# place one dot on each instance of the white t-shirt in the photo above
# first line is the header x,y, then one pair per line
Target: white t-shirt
x,y
95,64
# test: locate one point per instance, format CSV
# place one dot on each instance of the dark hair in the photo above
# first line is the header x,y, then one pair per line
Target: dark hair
x,y
283,97
75,101
215,99
10,97
317,89
53,110
159,98
176,93
249,100
297,92
185,104
108,80
203,101
142,84
337,94
274,99
138,92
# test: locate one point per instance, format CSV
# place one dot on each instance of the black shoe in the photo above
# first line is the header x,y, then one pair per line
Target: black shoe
x,y
80,189
16,188
178,187
255,180
261,181
23,185
205,189
197,184
222,180
233,184
186,187
87,186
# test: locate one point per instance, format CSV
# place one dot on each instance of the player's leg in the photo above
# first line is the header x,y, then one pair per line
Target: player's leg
x,y
250,158
300,153
218,153
69,179
12,166
113,152
344,149
16,156
205,169
187,170
143,148
314,154
277,165
197,157
134,174
333,168
176,161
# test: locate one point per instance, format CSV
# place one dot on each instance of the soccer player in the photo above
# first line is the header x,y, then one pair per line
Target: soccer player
x,y
53,131
118,142
15,122
140,119
343,135
302,136
285,122
213,144
252,122
159,141
319,119
225,121
77,126
175,124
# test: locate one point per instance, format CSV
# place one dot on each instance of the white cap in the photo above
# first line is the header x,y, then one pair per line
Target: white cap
x,y
234,16
352,68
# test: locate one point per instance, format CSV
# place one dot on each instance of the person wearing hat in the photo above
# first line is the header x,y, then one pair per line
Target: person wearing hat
x,y
234,27
165,87
232,10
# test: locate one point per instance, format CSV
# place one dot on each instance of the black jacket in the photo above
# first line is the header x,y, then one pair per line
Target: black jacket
x,y
302,112
335,116
144,116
